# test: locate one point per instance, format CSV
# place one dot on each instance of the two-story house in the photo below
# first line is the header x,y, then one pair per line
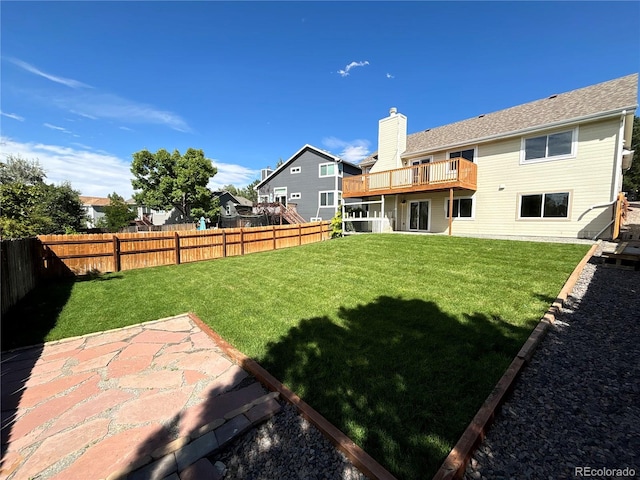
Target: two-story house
x,y
552,167
311,180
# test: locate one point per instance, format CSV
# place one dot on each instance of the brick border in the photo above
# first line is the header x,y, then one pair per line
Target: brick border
x,y
362,460
455,464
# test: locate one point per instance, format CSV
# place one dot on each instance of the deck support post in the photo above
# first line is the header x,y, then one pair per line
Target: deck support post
x,y
450,209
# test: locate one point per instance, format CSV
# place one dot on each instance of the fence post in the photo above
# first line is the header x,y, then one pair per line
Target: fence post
x,y
299,234
241,241
177,237
274,236
224,244
116,253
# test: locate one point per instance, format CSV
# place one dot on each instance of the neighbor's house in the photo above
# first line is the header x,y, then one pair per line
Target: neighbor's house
x,y
233,205
552,167
310,181
94,209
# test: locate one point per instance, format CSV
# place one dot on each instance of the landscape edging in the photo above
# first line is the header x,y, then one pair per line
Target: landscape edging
x,y
455,464
361,459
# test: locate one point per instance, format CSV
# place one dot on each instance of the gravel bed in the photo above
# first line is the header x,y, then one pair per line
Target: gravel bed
x,y
286,447
577,404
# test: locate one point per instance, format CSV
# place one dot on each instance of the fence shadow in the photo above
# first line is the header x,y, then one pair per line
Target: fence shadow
x,y
26,323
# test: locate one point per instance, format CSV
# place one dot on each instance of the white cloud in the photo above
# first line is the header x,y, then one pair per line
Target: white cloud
x,y
69,82
352,151
55,127
89,172
90,117
231,174
390,76
126,129
345,72
106,105
12,115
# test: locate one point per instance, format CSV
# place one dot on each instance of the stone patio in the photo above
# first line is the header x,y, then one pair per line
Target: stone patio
x,y
147,401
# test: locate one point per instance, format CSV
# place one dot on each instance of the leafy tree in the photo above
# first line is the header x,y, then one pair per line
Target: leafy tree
x,y
118,213
61,203
31,207
249,192
631,181
20,170
232,190
176,181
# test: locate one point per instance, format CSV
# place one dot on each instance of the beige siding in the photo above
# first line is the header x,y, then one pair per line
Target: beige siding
x,y
502,179
392,141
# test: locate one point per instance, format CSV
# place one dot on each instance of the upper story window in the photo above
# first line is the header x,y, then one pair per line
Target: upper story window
x,y
468,154
554,146
327,169
296,196
295,170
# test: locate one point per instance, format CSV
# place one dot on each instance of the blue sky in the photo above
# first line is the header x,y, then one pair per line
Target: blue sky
x,y
87,84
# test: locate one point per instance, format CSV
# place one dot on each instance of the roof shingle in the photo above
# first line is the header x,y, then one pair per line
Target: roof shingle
x,y
612,96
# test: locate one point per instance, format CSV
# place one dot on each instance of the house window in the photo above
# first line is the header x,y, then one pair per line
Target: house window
x,y
549,147
462,208
468,154
228,209
327,169
296,196
280,195
545,205
295,170
316,219
328,199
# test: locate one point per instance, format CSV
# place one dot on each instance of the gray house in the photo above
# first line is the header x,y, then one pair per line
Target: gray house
x,y
310,181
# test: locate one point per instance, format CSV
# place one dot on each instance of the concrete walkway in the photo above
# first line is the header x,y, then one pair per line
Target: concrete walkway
x,y
148,401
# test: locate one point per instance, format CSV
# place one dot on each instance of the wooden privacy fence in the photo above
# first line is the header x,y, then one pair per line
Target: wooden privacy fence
x,y
19,270
82,254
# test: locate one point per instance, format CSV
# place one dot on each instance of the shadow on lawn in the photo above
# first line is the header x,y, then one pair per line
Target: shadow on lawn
x,y
400,377
28,323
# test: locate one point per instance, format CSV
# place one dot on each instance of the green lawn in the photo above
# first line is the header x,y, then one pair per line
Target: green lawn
x,y
396,339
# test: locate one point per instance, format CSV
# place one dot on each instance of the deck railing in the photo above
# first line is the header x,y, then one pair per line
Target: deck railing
x,y
453,173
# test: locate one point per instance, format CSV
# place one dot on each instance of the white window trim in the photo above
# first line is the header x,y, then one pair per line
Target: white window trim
x,y
335,198
461,219
295,170
295,196
279,191
574,147
541,218
335,169
315,219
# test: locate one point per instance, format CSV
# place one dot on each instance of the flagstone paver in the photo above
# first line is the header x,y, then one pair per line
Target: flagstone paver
x,y
101,405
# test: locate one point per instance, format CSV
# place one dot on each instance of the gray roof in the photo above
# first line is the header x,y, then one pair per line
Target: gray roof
x,y
607,97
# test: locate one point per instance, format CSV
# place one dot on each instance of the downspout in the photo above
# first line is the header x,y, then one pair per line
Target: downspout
x,y
600,232
618,168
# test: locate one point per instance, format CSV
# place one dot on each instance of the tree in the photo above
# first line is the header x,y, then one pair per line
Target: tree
x,y
20,170
231,189
118,213
631,181
175,181
249,192
31,207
